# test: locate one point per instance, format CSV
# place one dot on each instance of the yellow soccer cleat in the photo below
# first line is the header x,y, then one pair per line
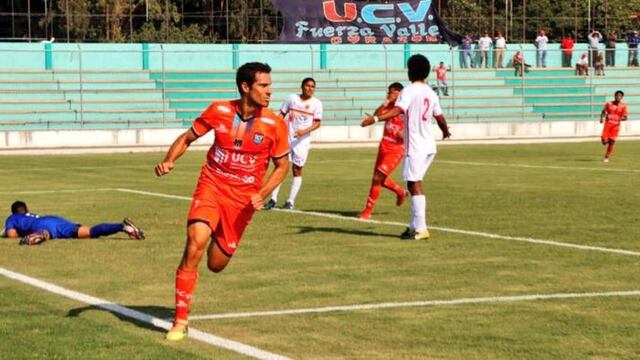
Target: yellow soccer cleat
x,y
422,235
178,332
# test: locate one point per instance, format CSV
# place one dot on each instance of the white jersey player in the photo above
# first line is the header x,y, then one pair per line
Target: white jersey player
x,y
421,106
303,113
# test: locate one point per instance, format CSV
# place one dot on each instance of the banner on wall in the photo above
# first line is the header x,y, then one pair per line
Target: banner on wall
x,y
362,22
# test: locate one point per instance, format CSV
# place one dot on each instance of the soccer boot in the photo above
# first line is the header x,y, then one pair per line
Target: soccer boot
x,y
35,238
178,332
407,234
269,205
287,206
401,198
423,235
365,214
132,230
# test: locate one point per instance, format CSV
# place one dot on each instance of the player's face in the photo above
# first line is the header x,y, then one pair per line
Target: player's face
x,y
308,89
260,91
618,97
393,94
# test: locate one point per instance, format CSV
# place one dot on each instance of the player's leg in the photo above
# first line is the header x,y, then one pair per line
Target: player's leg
x,y
390,163
296,184
610,146
96,231
413,172
198,235
374,193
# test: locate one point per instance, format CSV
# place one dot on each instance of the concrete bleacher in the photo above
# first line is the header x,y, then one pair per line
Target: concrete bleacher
x,y
35,100
477,95
111,99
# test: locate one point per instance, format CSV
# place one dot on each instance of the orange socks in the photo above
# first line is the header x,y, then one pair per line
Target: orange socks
x,y
609,150
186,281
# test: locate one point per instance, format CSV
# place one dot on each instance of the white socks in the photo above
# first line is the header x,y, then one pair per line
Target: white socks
x,y
418,220
296,182
274,194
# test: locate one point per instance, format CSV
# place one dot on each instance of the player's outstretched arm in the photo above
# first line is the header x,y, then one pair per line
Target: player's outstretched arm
x,y
281,167
442,124
372,119
177,149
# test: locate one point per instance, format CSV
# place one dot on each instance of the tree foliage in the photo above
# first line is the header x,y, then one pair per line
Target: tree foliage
x,y
200,21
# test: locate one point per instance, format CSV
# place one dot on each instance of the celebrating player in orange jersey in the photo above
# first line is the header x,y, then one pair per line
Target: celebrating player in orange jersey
x,y
390,152
613,113
230,188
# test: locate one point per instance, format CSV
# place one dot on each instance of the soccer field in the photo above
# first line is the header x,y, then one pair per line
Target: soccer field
x,y
535,253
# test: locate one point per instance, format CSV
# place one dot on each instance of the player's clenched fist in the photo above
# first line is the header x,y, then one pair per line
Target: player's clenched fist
x,y
164,168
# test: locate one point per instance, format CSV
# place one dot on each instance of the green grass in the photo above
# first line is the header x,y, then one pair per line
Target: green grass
x,y
291,261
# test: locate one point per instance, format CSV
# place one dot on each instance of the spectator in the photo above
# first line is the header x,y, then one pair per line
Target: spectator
x,y
499,48
567,50
594,40
441,74
541,43
467,51
633,49
610,55
518,63
484,45
582,66
598,65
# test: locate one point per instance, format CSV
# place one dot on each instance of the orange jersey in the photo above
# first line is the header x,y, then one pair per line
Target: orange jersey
x,y
392,137
240,153
615,112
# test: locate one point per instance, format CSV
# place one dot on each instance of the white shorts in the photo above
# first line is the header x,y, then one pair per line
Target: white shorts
x,y
299,152
415,167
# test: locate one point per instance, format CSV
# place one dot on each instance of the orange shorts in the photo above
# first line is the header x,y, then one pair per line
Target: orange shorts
x,y
610,132
388,160
227,218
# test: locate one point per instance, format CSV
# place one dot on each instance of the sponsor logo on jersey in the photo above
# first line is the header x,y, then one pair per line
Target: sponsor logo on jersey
x,y
224,109
258,138
220,156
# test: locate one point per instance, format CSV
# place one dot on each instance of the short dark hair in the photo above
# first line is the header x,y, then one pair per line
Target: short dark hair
x,y
396,86
419,67
619,92
247,73
304,81
19,207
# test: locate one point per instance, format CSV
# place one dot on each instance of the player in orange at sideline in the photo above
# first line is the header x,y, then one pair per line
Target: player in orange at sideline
x,y
390,153
230,188
613,113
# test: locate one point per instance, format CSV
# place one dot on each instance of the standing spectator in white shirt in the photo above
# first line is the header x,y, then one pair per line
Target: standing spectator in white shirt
x,y
484,45
594,40
498,50
541,43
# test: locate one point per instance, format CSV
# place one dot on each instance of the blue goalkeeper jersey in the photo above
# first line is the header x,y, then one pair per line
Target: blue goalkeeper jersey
x,y
28,223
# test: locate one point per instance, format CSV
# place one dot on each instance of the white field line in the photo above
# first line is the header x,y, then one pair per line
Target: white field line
x,y
387,305
527,166
444,229
140,316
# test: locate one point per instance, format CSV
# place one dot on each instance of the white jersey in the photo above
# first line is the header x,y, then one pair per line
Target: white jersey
x,y
420,104
300,115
